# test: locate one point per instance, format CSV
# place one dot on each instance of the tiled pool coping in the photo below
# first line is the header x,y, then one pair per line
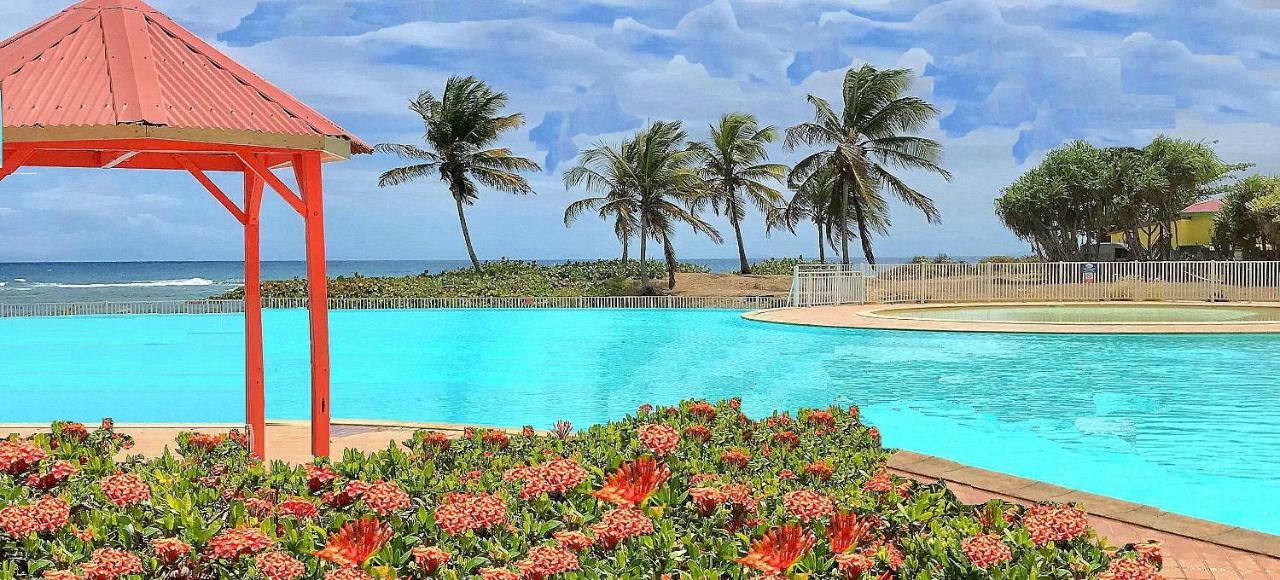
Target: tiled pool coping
x,y
879,317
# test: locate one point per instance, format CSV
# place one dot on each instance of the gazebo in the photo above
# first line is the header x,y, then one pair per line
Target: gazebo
x,y
115,84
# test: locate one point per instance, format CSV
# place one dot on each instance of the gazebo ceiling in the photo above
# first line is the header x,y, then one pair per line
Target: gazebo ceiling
x,y
119,71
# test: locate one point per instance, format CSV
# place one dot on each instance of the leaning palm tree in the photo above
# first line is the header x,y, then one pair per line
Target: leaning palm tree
x,y
734,171
816,201
461,126
867,138
605,170
668,190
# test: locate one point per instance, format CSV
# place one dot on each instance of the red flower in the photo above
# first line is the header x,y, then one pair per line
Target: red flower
x,y
347,574
644,409
854,412
1129,569
259,507
18,521
464,512
58,473
50,513
562,429
620,524
853,564
820,419
986,550
659,438
633,483
496,438
703,410
124,489
740,495
874,434
203,442
735,458
847,530
546,561
1150,552
109,564
430,558
436,440
819,469
236,542
349,494
707,499
779,549
279,566
355,542
786,474
808,505
555,477
880,482
59,575
170,550
385,498
319,477
573,540
298,508
698,432
1052,523
787,439
17,457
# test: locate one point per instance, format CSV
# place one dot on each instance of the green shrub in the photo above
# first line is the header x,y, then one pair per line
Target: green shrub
x,y
779,266
690,491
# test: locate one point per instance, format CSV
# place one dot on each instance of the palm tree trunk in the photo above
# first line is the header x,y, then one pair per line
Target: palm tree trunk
x,y
822,246
466,234
863,234
670,254
626,246
844,224
645,287
744,267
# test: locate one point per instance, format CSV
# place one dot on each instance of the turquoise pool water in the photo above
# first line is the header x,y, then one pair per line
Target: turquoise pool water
x,y
1190,424
1092,313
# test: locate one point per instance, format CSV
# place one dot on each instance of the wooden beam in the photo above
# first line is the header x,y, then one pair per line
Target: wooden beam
x,y
254,375
255,165
14,160
240,215
310,180
120,157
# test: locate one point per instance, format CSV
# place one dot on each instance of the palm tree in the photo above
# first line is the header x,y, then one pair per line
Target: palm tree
x,y
605,170
866,139
461,126
733,168
815,200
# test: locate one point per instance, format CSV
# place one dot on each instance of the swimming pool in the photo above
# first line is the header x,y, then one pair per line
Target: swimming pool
x,y
1092,313
1190,424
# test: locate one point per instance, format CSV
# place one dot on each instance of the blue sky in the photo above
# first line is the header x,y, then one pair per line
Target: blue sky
x,y
1013,78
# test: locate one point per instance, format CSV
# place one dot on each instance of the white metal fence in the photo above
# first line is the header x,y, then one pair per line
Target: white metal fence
x,y
236,306
1042,282
827,284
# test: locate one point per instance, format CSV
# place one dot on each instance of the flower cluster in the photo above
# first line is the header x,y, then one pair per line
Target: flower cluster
x,y
697,489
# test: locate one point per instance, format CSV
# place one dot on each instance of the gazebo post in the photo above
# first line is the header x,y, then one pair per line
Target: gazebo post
x,y
254,379
308,171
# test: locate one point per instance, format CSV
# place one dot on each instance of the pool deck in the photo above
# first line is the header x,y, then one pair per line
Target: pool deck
x,y
880,317
1194,549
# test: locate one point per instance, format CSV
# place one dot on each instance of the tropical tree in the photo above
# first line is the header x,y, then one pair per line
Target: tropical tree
x,y
1191,172
1249,221
734,172
815,200
461,127
868,137
605,170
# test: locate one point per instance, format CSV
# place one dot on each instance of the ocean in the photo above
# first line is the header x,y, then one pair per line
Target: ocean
x,y
51,282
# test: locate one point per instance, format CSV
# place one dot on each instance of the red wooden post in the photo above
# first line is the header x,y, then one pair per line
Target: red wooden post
x,y
310,180
254,381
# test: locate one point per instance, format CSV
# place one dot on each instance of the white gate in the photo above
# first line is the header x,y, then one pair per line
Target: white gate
x,y
827,284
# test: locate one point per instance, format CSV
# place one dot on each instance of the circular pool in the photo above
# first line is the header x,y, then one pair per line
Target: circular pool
x,y
1113,313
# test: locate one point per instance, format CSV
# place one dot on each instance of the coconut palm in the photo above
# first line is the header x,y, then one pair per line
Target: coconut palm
x,y
816,201
867,138
734,172
461,126
605,170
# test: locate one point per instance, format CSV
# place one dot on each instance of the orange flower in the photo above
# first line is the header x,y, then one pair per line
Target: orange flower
x,y
236,542
59,575
17,457
660,439
1129,569
779,549
819,470
546,561
633,483
699,432
319,477
355,543
385,498
347,574
986,550
169,550
109,564
573,540
880,482
808,505
279,566
58,473
298,508
820,419
620,524
853,564
736,458
124,489
462,512
847,530
703,410
707,499
1052,523
497,574
430,558
554,477
787,439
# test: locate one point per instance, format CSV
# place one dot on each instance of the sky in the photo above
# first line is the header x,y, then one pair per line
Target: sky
x,y
1012,78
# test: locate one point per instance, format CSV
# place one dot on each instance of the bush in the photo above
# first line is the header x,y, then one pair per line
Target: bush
x,y
779,266
498,278
695,491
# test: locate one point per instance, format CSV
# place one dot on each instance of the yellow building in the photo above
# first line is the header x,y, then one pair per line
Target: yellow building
x,y
1193,228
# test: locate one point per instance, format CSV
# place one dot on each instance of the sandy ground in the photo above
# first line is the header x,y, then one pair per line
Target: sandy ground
x,y
727,285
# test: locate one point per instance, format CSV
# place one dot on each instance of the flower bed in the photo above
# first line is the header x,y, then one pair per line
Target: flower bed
x,y
698,491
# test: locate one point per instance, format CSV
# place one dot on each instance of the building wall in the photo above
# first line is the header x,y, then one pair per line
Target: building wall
x,y
1192,230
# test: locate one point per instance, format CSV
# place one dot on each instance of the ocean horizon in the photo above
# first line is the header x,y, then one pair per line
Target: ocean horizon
x,y
56,282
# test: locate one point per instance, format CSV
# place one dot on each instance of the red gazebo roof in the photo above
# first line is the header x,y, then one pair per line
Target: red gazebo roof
x,y
119,69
